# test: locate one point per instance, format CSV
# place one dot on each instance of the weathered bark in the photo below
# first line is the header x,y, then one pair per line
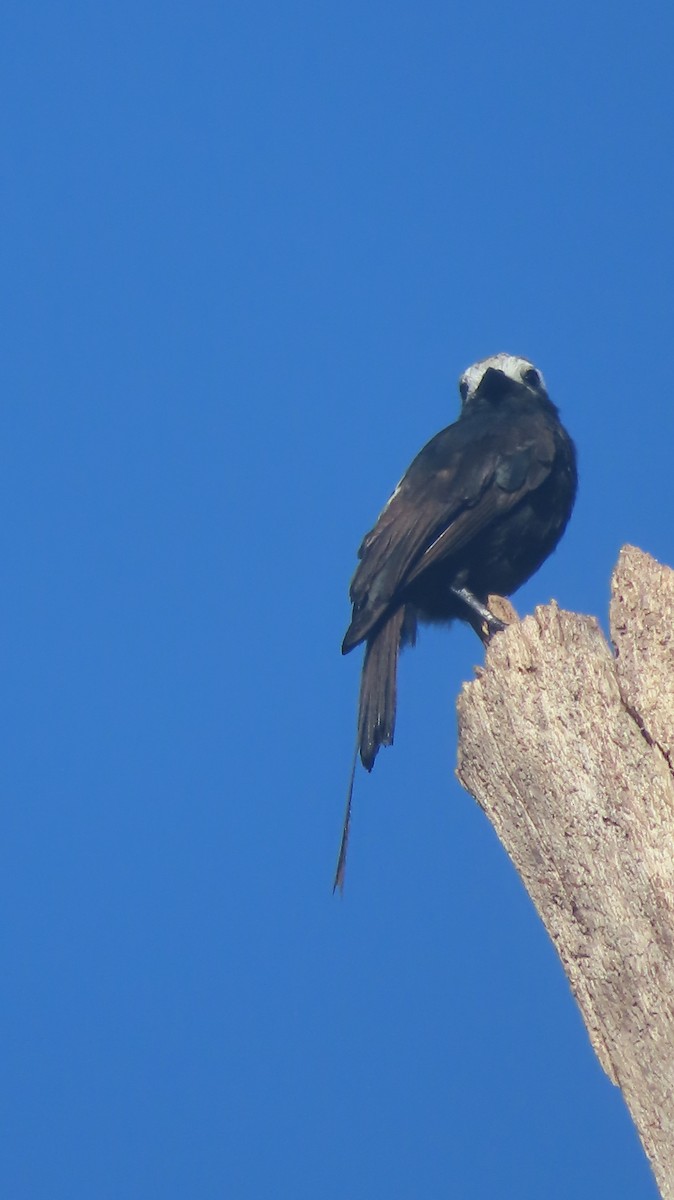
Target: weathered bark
x,y
568,748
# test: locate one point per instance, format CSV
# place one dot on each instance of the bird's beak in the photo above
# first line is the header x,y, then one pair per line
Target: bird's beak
x,y
492,383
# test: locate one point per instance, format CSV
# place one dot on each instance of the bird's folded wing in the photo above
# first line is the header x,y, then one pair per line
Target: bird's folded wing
x,y
512,479
434,515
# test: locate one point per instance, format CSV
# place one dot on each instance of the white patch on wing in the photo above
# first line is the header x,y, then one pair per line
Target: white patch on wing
x,y
393,495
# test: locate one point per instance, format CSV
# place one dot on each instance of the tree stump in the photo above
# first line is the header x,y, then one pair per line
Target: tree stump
x,y
568,747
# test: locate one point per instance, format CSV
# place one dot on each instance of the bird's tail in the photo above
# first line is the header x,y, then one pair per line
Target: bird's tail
x,y
376,707
377,703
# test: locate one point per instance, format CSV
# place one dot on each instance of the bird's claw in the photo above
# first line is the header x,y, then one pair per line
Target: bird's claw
x,y
490,626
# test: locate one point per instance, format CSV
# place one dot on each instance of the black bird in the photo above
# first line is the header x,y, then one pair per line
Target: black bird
x,y
477,512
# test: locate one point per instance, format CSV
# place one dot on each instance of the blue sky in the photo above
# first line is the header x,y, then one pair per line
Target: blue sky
x,y
248,249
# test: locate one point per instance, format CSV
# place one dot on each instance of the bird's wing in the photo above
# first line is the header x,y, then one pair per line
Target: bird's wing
x,y
453,490
513,478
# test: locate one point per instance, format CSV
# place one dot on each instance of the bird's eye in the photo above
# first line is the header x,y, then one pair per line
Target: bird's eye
x,y
531,377
463,388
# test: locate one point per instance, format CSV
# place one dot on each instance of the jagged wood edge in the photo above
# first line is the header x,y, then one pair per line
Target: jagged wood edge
x,y
577,783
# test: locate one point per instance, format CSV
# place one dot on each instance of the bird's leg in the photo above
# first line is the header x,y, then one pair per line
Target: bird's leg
x,y
478,615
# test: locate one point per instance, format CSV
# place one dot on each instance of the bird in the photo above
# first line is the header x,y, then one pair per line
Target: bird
x,y
478,510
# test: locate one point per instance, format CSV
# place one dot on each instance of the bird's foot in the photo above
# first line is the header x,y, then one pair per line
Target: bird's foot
x,y
489,627
479,616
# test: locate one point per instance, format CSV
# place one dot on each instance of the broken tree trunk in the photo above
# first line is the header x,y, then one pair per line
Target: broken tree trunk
x,y
569,749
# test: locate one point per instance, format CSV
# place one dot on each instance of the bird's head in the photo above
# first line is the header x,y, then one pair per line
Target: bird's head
x,y
495,372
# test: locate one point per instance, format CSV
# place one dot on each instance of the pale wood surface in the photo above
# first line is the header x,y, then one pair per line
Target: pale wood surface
x,y
567,748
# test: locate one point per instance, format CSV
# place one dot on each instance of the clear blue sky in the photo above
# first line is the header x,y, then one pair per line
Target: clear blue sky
x,y
247,250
